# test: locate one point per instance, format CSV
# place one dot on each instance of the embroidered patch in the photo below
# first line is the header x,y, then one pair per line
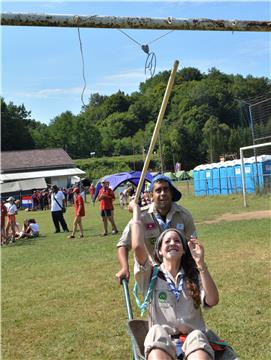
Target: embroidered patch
x,y
180,226
152,241
162,297
150,226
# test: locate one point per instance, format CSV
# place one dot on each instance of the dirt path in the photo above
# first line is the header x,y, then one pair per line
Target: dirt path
x,y
263,214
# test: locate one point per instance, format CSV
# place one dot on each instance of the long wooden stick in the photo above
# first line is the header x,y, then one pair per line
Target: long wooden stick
x,y
157,128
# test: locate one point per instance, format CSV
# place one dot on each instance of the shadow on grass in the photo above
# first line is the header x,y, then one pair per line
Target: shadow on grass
x,y
29,241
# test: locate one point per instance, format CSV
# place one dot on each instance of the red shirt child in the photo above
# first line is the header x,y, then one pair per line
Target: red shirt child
x,y
106,197
79,205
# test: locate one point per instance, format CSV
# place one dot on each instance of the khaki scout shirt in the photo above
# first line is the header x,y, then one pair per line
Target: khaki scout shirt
x,y
164,309
178,218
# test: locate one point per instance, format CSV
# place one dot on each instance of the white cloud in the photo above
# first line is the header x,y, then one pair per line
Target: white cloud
x,y
53,92
135,74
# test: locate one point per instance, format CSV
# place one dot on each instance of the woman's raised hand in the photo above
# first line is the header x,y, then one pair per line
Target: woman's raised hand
x,y
197,251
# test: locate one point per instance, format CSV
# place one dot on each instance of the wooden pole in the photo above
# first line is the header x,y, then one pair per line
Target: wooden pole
x,y
132,22
157,128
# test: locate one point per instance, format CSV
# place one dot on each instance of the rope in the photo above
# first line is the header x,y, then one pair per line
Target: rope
x,y
83,67
150,63
129,37
160,37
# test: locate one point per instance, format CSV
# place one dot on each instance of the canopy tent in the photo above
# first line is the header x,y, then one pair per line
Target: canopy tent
x,y
191,174
119,179
170,175
182,175
23,185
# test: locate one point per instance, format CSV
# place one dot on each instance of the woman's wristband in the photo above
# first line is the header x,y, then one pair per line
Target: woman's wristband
x,y
203,268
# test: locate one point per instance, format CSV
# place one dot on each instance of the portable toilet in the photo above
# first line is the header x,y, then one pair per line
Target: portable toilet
x,y
223,174
216,179
196,180
237,175
231,180
251,179
200,183
209,179
266,166
262,171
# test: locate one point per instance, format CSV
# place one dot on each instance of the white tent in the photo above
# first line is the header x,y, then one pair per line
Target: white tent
x,y
22,185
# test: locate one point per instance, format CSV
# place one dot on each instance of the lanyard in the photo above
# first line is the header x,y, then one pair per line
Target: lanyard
x,y
148,296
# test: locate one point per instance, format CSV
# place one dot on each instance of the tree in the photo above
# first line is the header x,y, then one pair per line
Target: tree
x,y
15,134
40,134
61,131
86,137
189,74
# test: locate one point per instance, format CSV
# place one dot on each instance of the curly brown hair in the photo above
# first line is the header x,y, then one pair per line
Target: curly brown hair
x,y
191,276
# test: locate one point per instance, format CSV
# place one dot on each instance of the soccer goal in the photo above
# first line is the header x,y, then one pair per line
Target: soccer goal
x,y
258,166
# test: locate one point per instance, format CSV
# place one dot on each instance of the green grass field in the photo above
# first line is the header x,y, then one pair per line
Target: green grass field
x,y
60,299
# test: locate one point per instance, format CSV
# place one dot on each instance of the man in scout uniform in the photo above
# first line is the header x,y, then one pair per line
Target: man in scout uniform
x,y
163,213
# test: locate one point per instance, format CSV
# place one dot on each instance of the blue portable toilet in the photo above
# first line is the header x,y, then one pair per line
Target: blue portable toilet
x,y
200,181
216,179
258,172
237,175
209,179
231,181
266,166
196,180
248,173
262,178
227,177
250,176
224,178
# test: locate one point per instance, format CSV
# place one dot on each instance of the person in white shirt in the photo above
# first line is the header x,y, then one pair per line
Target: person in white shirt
x,y
11,212
30,230
57,205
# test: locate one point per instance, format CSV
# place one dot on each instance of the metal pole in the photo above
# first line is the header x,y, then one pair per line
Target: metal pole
x,y
118,22
253,142
243,177
129,310
243,168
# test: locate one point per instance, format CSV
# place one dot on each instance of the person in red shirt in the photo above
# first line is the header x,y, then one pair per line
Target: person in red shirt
x,y
4,213
79,208
92,193
106,197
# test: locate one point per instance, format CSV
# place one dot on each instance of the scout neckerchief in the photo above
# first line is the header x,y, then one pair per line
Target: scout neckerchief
x,y
180,285
164,225
147,298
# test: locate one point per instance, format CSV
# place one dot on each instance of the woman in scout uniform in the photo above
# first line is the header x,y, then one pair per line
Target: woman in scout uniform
x,y
183,283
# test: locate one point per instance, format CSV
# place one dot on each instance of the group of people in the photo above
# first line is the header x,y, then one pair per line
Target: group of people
x,y
171,273
11,231
40,200
169,268
106,197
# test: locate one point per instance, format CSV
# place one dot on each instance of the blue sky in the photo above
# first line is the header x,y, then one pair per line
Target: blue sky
x,y
42,67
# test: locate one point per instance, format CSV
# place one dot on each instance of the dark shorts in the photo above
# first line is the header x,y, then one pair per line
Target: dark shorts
x,y
105,213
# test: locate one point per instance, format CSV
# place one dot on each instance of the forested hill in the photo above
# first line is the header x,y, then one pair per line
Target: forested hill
x,y
204,119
